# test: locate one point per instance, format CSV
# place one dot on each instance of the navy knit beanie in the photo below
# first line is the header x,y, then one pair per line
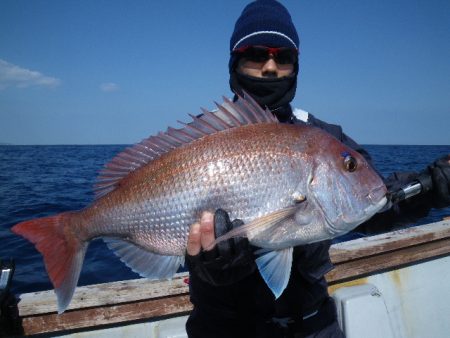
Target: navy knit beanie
x,y
264,23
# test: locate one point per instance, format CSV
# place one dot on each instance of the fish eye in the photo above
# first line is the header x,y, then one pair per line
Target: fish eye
x,y
350,163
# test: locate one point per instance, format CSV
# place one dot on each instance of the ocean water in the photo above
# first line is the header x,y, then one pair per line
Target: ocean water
x,y
37,181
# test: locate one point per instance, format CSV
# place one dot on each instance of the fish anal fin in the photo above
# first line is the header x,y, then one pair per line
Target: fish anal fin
x,y
147,264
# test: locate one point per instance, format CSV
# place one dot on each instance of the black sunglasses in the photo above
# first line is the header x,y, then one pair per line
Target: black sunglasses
x,y
258,54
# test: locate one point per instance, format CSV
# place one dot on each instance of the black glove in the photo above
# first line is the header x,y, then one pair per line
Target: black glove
x,y
229,261
436,180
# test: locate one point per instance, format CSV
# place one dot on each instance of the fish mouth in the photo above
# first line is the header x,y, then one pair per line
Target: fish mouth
x,y
375,195
378,200
370,210
374,208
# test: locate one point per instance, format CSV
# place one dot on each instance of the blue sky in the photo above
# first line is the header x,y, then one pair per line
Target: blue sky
x,y
109,72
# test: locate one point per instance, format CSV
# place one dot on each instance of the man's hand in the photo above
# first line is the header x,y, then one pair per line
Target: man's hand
x,y
201,235
227,262
437,177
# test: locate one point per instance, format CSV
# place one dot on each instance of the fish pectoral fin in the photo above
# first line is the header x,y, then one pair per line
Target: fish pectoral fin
x,y
258,224
275,268
147,264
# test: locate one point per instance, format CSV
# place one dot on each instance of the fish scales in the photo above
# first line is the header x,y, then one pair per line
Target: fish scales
x,y
233,169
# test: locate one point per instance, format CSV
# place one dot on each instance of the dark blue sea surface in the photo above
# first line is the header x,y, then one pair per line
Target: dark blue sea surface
x,y
37,181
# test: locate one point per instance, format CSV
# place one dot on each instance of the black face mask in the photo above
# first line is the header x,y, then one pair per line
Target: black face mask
x,y
273,93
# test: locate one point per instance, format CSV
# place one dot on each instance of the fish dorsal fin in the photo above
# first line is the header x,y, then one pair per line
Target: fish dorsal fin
x,y
229,115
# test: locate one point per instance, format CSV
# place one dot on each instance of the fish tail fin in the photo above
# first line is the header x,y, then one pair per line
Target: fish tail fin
x,y
63,252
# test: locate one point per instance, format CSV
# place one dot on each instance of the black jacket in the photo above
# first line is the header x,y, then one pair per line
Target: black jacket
x,y
248,308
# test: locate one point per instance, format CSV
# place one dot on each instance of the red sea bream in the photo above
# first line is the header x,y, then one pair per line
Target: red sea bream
x,y
290,184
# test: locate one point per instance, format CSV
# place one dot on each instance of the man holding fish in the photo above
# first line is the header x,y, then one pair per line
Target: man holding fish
x,y
231,297
290,182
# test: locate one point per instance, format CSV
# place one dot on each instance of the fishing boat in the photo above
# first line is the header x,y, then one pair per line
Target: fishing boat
x,y
396,284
